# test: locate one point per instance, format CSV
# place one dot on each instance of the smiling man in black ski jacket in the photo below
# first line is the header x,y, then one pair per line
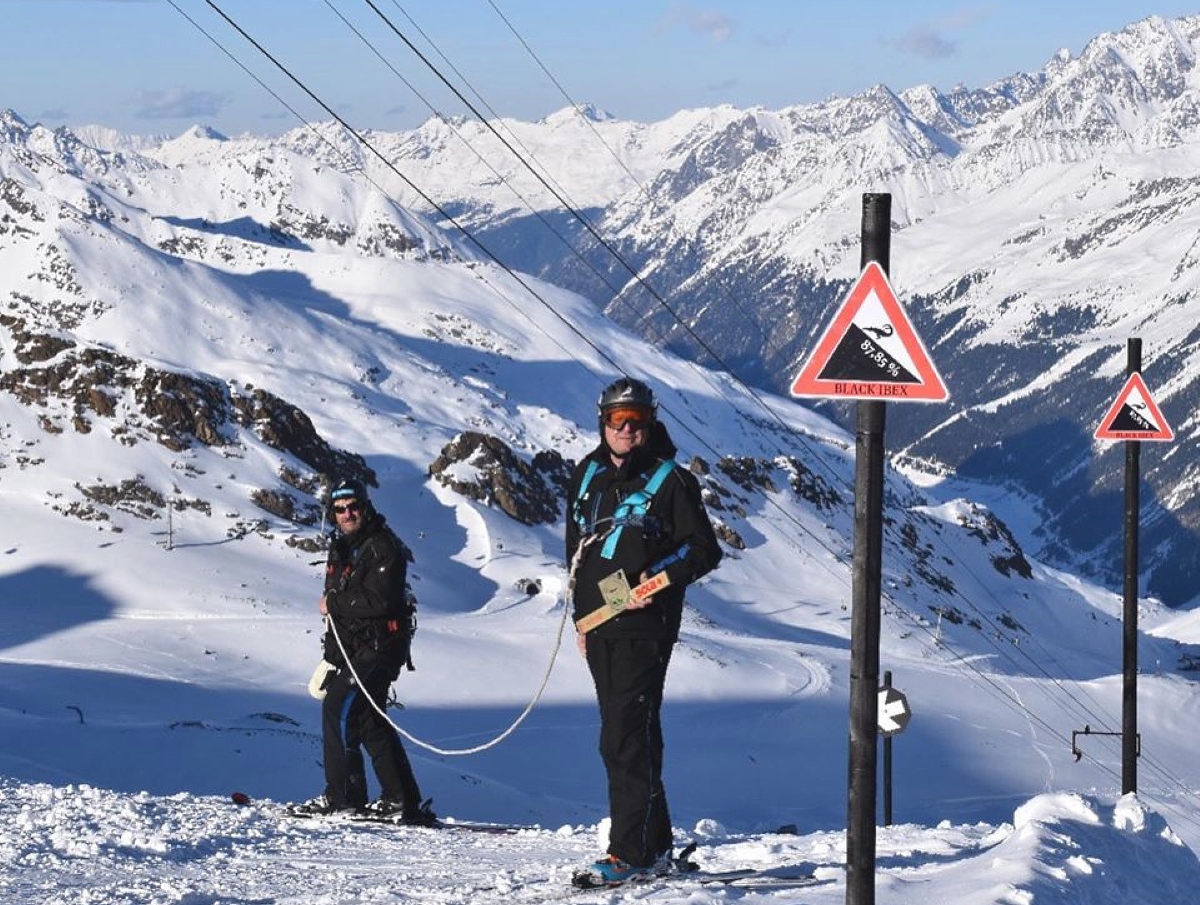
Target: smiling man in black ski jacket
x,y
630,507
367,641
676,537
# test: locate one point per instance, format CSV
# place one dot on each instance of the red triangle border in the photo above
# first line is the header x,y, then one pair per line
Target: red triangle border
x,y
809,383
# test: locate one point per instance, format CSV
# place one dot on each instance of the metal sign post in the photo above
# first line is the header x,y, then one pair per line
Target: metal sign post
x,y
869,352
894,714
1132,418
866,586
1133,507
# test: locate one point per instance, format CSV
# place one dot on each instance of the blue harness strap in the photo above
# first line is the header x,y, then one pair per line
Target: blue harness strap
x,y
588,474
632,510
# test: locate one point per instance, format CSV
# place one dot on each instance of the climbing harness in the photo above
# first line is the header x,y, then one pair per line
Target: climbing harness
x,y
630,511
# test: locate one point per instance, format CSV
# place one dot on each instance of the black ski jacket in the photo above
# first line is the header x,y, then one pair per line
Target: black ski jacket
x,y
675,535
364,593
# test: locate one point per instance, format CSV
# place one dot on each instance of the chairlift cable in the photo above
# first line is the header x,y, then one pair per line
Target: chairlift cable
x,y
478,155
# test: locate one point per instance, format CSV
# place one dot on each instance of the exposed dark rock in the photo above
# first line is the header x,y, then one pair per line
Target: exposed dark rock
x,y
284,505
75,385
12,193
133,496
554,468
811,487
722,499
956,616
923,562
989,529
728,534
283,426
183,408
748,473
481,467
309,543
1010,623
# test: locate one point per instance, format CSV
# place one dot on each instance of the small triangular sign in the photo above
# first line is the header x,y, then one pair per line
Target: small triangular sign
x,y
1135,415
871,351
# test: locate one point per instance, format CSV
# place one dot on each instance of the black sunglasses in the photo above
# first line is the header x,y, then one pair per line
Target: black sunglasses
x,y
349,507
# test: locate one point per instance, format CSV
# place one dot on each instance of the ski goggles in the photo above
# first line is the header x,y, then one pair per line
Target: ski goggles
x,y
637,417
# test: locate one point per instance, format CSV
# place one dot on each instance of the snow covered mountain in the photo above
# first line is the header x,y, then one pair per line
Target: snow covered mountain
x,y
1039,223
194,335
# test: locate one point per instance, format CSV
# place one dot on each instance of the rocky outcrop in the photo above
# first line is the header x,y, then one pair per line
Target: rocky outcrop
x,y
483,468
78,387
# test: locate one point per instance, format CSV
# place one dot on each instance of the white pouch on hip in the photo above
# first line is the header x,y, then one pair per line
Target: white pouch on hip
x,y
316,685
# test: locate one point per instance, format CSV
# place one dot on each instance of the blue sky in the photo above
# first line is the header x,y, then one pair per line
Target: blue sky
x,y
142,67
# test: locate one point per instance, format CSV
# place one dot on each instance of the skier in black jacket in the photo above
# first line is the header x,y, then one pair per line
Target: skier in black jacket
x,y
630,507
367,607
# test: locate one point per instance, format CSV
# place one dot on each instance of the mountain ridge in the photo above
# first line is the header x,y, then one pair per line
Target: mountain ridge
x,y
1025,187
1063,175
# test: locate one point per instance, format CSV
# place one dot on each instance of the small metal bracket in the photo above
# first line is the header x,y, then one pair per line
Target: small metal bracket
x,y
1088,730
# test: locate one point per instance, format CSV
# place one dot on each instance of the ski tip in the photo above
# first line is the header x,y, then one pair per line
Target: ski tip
x,y
240,798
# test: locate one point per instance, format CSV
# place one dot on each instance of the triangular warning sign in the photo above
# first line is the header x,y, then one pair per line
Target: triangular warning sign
x,y
1135,415
871,351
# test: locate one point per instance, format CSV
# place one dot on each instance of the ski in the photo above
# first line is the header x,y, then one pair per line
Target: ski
x,y
743,878
750,878
353,816
449,823
683,869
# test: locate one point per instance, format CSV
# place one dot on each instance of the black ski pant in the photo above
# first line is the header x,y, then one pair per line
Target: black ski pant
x,y
629,674
348,722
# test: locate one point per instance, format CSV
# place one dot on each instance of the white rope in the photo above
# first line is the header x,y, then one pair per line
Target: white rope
x,y
459,752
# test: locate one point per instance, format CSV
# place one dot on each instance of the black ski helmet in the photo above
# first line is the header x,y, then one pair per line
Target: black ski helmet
x,y
349,489
626,391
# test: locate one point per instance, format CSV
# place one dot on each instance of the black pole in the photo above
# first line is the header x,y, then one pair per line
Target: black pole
x,y
887,763
1133,508
865,598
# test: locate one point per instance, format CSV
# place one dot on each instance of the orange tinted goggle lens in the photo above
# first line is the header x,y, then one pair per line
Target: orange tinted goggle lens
x,y
636,416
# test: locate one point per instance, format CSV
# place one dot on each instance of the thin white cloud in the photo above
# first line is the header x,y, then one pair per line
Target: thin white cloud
x,y
933,40
53,115
926,42
179,103
710,23
726,85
